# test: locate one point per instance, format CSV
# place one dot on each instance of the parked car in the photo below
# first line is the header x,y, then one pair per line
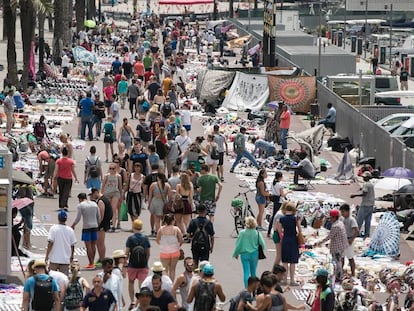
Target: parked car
x,y
393,120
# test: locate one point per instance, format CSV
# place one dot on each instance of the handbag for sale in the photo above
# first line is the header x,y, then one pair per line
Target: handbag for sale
x,y
260,248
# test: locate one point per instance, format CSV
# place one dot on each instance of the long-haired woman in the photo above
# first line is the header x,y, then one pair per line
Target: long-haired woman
x,y
159,195
261,197
185,190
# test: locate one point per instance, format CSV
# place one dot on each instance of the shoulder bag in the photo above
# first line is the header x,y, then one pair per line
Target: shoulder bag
x,y
260,248
167,209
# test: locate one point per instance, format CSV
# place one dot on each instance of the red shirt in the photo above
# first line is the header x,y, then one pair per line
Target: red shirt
x,y
148,75
108,91
285,120
64,168
139,68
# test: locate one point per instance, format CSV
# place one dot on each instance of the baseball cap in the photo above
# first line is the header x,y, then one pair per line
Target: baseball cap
x,y
201,265
208,269
322,272
334,213
145,291
137,225
62,216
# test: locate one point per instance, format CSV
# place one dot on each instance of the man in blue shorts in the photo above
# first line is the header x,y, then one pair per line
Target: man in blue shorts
x,y
89,211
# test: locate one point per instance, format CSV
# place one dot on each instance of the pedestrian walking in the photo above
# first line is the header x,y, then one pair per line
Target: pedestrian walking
x,y
351,227
284,126
262,196
182,283
63,176
41,291
247,246
112,189
109,137
207,186
161,298
170,239
93,170
201,231
138,253
126,134
134,194
99,298
159,196
86,107
239,147
89,212
111,281
61,245
105,212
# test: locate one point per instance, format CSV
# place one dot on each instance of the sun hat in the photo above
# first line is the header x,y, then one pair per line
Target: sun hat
x,y
39,263
157,267
119,253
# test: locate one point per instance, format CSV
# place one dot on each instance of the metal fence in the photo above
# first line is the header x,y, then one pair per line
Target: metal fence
x,y
363,131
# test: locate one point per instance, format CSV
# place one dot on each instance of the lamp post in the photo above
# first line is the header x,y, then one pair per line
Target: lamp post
x,y
319,39
366,27
390,34
345,24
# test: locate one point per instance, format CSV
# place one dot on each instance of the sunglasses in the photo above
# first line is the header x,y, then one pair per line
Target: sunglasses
x,y
112,168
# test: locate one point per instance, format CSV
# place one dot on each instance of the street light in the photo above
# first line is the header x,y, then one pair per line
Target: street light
x,y
386,7
366,27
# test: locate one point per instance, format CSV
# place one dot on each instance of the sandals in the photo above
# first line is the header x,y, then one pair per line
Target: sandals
x,y
131,306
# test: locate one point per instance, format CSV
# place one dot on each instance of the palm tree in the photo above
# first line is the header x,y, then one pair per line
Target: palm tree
x,y
27,20
9,24
80,14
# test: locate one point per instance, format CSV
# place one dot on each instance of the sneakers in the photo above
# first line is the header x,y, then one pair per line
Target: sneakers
x,y
222,179
260,228
90,267
231,170
112,230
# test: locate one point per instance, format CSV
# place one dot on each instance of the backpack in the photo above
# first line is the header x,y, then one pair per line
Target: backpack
x,y
166,110
215,155
93,170
200,241
73,295
145,106
144,132
238,143
205,298
42,294
138,257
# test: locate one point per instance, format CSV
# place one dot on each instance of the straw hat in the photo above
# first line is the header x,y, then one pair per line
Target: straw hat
x,y
119,253
157,267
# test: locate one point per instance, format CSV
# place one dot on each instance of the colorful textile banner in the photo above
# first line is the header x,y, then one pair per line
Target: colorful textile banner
x,y
298,92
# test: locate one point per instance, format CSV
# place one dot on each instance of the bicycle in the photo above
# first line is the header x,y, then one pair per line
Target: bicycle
x,y
241,208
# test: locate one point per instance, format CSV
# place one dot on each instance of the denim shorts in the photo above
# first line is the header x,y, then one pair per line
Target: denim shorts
x,y
260,199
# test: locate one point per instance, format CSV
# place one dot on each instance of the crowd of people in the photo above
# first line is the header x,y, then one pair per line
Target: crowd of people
x,y
159,167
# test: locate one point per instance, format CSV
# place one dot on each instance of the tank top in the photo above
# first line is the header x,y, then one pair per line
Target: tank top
x,y
184,288
125,135
169,243
111,184
135,185
277,302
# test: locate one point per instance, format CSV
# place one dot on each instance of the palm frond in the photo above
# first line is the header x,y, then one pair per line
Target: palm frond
x,y
44,6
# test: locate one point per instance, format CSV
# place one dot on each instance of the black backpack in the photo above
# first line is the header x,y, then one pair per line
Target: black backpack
x,y
144,132
138,257
166,110
200,241
93,170
73,295
215,155
205,298
42,294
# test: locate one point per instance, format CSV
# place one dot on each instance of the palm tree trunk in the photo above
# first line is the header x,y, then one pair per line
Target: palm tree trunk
x,y
10,20
58,29
67,24
91,9
28,24
80,14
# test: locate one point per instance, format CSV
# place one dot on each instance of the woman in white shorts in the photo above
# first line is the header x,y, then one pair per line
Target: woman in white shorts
x,y
212,159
